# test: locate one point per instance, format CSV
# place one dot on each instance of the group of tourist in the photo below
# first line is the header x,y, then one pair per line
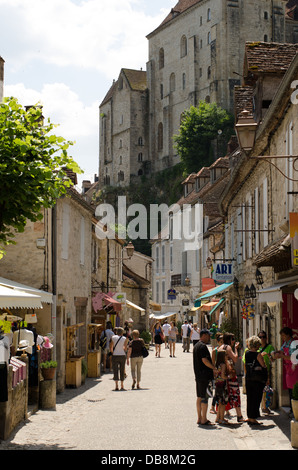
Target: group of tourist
x,y
219,368
168,333
123,347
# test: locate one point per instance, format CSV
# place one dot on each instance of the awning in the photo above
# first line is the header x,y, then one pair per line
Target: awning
x,y
273,293
161,316
217,306
13,298
45,297
215,291
208,306
136,307
154,306
194,309
109,301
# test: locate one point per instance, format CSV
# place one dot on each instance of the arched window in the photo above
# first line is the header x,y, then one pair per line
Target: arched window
x,y
140,157
160,136
183,46
172,82
183,81
140,173
120,160
121,176
161,58
209,72
140,141
265,38
208,14
209,38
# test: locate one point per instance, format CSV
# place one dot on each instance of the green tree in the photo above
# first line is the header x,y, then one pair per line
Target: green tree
x,y
33,163
200,126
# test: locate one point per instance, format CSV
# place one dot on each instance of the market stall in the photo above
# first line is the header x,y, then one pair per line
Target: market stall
x,y
73,366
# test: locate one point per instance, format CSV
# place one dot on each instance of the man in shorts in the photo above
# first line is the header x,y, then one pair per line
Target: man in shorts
x,y
203,369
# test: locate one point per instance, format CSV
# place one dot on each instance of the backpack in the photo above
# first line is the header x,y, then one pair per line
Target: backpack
x,y
103,341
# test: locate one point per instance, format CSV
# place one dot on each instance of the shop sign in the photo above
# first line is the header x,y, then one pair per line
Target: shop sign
x,y
223,272
171,294
293,219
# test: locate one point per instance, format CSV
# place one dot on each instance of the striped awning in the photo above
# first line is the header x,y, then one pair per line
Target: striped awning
x,y
13,298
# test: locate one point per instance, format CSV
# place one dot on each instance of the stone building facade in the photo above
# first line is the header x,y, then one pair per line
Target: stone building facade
x,y
195,54
257,203
124,146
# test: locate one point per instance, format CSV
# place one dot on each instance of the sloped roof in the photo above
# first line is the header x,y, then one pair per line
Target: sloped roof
x,y
268,57
137,80
179,8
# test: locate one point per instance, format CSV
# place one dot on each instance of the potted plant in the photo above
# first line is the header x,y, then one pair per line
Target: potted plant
x,y
295,401
146,336
48,369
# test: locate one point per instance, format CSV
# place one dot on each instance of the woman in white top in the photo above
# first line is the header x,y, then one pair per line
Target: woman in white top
x,y
118,346
195,334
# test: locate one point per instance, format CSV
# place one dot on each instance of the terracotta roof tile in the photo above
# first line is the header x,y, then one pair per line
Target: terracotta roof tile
x,y
269,57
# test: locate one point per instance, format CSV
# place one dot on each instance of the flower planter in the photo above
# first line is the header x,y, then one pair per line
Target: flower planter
x,y
48,374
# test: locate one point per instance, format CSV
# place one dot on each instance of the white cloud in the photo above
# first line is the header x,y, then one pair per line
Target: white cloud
x,y
77,121
89,34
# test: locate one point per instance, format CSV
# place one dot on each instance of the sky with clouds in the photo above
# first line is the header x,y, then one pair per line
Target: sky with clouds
x,y
66,53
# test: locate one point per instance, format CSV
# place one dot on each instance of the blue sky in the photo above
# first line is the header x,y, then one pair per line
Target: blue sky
x,y
66,53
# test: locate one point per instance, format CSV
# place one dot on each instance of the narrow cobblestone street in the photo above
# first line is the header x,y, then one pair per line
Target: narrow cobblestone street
x,y
160,416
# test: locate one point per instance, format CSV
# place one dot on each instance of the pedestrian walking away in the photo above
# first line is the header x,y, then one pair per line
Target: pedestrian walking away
x,y
195,334
135,355
173,332
256,377
165,328
186,330
105,339
203,370
118,345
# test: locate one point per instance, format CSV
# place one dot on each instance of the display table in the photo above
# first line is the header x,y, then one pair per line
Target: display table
x,y
94,360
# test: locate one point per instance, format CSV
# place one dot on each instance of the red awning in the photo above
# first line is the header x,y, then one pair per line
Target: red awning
x,y
109,301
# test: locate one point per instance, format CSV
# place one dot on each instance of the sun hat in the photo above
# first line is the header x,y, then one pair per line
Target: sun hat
x,y
47,343
23,345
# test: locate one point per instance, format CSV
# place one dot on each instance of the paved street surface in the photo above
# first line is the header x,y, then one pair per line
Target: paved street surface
x,y
161,416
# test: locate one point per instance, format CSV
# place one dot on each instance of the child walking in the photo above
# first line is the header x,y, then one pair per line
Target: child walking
x,y
221,391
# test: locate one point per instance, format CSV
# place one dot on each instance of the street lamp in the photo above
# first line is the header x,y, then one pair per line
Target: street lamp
x,y
246,129
259,277
253,292
130,249
247,292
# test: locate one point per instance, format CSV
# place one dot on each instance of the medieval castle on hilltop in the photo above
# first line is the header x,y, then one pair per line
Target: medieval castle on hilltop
x,y
195,54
